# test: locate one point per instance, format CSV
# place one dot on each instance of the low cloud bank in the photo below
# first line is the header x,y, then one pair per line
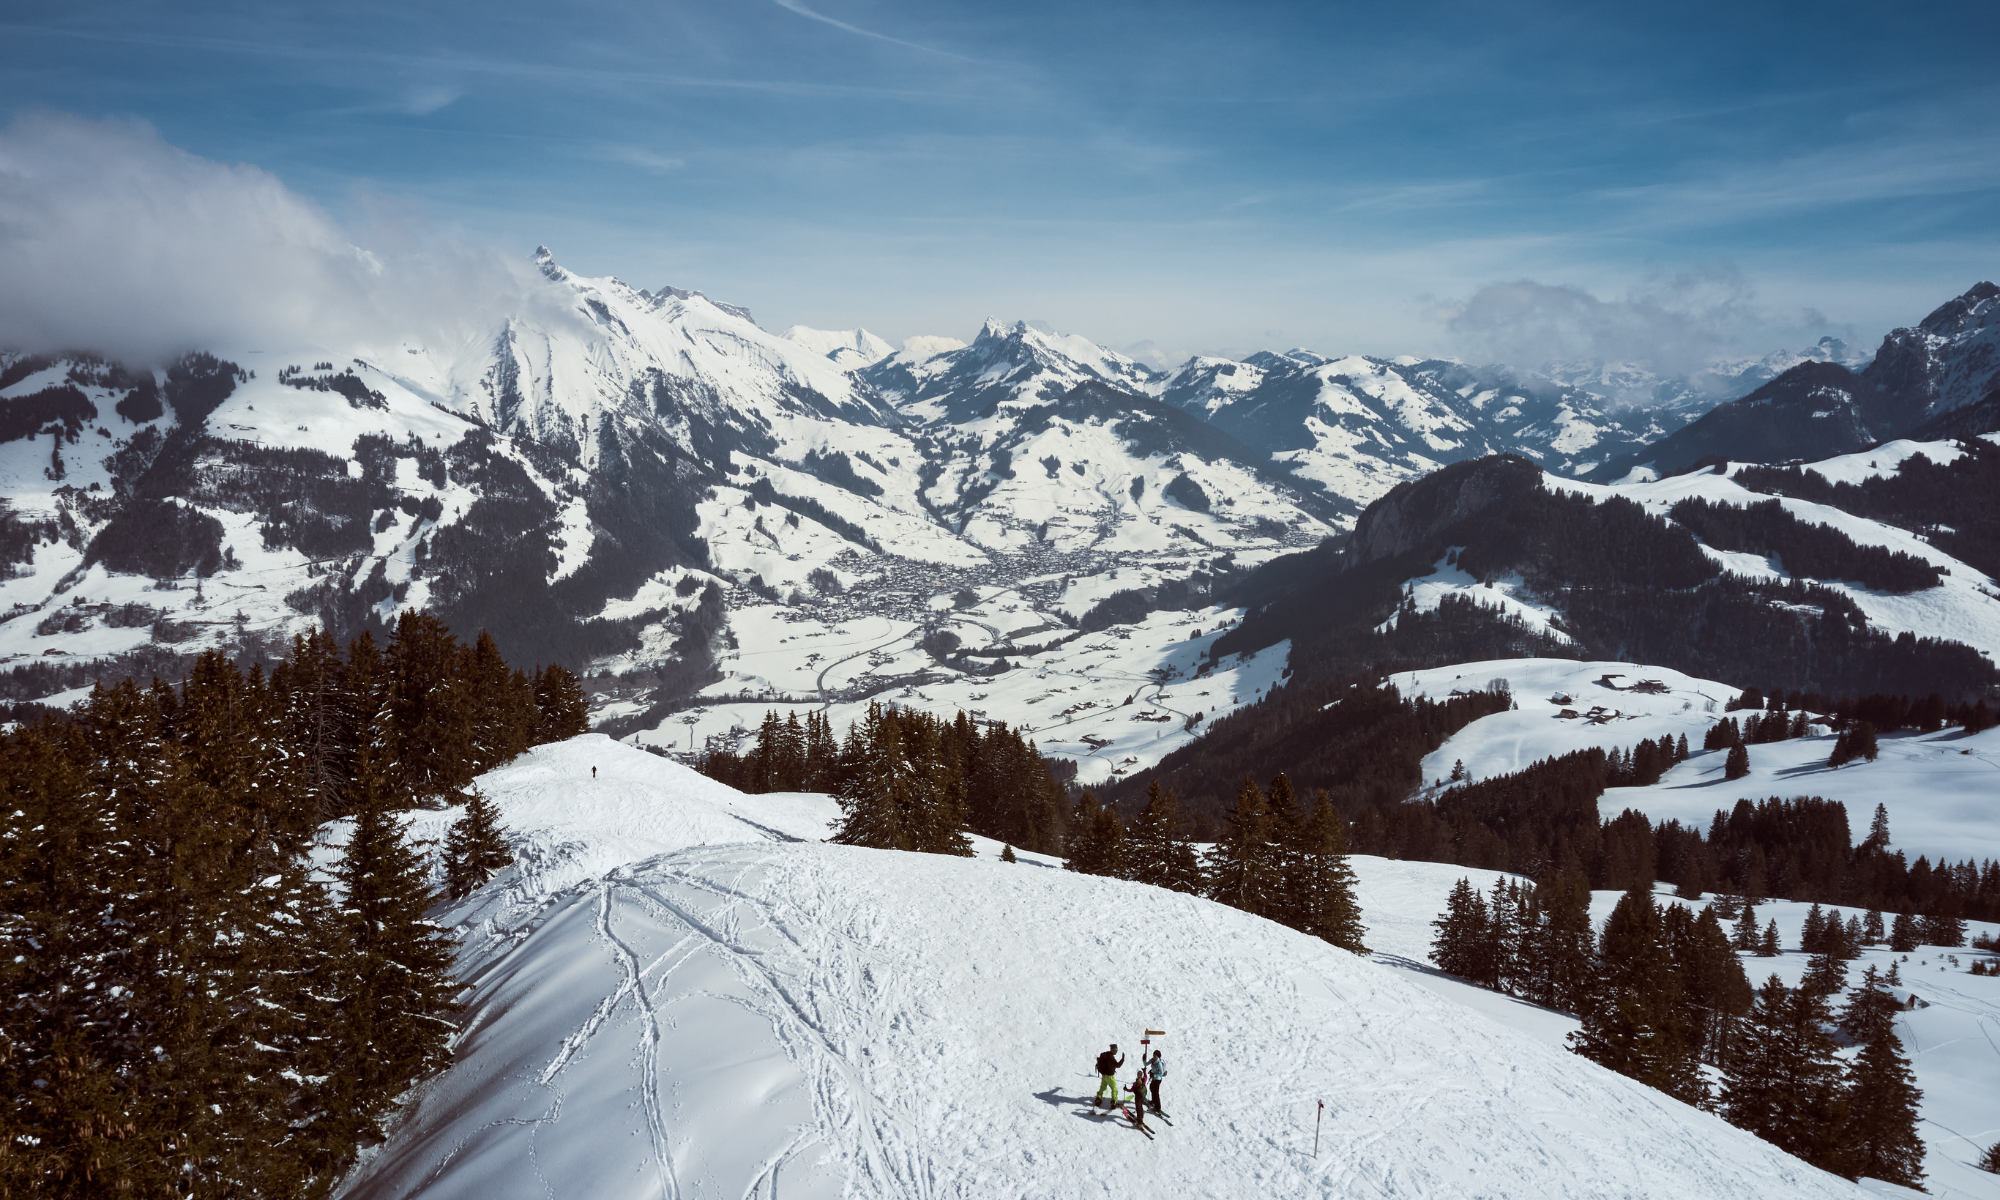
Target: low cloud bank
x,y
116,242
1674,327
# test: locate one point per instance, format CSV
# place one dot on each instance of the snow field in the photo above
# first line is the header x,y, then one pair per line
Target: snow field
x,y
1072,699
1953,1040
771,1018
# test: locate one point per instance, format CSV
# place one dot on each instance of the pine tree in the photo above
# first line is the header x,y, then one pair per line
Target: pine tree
x,y
1990,1161
1633,1022
1007,853
1783,1082
475,850
1462,943
1737,764
1746,928
1157,851
1870,1011
1812,937
1097,844
560,704
1242,867
1903,933
400,986
1769,948
1882,1106
1562,943
1826,975
1871,929
1878,830
870,785
1319,884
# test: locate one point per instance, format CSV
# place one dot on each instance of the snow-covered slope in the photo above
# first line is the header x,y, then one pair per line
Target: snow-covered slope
x,y
848,349
776,1018
1938,787
1964,607
1948,1036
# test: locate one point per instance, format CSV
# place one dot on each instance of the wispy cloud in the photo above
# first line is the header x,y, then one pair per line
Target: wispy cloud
x,y
642,158
795,6
1675,325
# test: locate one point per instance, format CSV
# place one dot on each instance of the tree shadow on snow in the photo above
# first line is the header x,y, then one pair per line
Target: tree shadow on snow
x,y
1424,968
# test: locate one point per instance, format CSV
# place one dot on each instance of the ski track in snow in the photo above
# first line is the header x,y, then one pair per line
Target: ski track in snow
x,y
758,1018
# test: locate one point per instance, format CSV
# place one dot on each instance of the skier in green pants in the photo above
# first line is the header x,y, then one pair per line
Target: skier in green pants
x,y
1107,1075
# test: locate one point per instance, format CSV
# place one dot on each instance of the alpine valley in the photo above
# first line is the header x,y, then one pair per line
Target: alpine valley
x,y
708,520
1616,650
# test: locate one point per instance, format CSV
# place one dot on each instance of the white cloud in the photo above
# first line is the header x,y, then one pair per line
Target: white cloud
x,y
117,242
644,159
1674,326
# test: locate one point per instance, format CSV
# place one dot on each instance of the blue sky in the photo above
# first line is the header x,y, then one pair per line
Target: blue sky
x,y
1208,176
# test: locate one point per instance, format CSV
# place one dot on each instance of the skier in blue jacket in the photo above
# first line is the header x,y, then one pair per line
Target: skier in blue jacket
x,y
1156,1070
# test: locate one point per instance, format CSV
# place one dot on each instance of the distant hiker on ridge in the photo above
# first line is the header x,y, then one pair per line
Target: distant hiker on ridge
x,y
1107,1074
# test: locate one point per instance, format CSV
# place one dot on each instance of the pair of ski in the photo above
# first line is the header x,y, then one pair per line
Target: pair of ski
x,y
1127,1110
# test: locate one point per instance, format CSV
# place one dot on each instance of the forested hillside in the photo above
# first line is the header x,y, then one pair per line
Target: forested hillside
x,y
187,1005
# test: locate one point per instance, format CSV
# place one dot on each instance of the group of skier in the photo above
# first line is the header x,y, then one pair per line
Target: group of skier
x,y
1147,1080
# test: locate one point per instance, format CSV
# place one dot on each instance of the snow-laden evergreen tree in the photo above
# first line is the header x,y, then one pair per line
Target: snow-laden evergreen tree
x,y
1243,867
1157,850
1783,1082
475,850
401,987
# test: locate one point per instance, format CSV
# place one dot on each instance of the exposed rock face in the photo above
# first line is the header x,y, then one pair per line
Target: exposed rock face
x,y
1949,361
1414,513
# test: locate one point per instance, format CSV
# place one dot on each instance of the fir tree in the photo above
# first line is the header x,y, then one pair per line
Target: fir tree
x,y
1243,867
1990,1161
400,986
1633,1021
1826,975
1007,853
1769,948
1462,943
1882,1109
561,708
1783,1082
1737,764
1560,946
1746,928
1870,1012
870,788
1319,883
1903,933
1812,936
1871,929
1097,839
1157,851
475,850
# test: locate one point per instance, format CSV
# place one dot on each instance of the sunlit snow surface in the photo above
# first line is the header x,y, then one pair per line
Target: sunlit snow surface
x,y
1952,1038
769,1018
1942,790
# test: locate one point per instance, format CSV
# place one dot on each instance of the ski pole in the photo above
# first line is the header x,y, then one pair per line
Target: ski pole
x,y
1316,1116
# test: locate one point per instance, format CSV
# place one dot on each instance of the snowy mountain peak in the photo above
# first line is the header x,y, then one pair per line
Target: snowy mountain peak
x,y
848,349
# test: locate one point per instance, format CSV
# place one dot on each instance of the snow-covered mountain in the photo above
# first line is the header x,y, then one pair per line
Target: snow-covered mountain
x,y
680,991
848,349
1939,377
1356,426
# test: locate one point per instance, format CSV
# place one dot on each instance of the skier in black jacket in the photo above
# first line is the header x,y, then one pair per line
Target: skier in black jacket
x,y
1107,1074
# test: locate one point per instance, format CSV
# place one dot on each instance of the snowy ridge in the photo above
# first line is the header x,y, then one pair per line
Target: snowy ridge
x,y
772,1018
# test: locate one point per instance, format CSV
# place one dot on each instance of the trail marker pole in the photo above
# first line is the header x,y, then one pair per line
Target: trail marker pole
x,y
1316,1117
